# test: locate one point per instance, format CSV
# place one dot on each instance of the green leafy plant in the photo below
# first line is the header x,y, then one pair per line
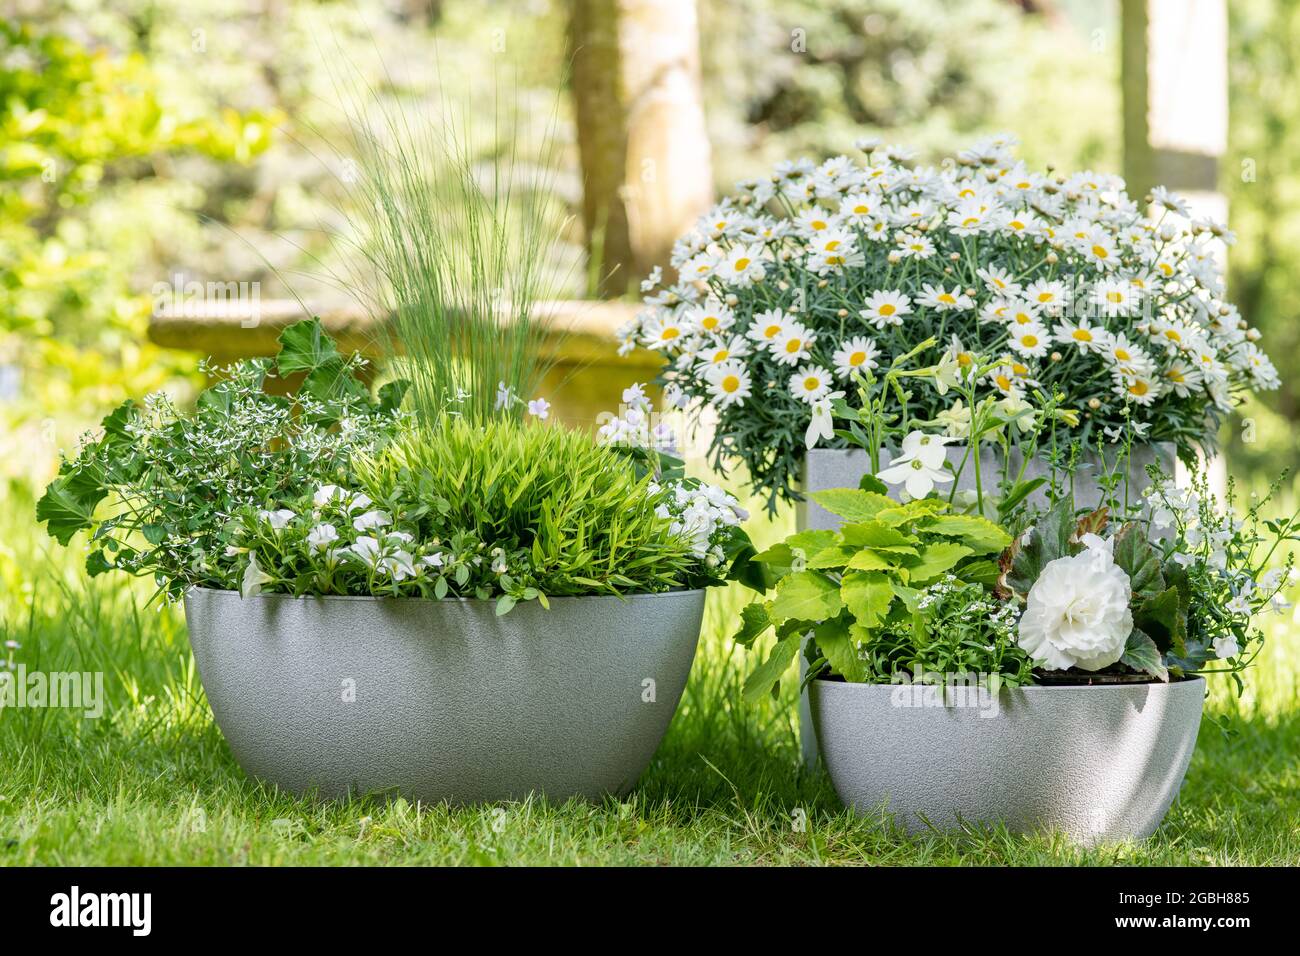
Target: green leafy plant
x,y
575,512
858,591
158,488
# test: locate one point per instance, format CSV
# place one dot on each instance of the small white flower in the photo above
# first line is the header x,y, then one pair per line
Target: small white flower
x,y
277,519
919,467
321,536
505,396
254,578
821,426
327,493
367,550
1226,646
433,560
359,502
539,408
372,519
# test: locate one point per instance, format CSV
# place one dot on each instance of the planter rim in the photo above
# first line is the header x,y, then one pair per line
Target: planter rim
x,y
485,602
1035,688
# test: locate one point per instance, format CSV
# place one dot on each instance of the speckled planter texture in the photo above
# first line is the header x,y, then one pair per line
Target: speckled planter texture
x,y
1099,763
443,700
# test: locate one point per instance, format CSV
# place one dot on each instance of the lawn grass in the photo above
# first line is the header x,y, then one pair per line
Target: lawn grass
x,y
152,781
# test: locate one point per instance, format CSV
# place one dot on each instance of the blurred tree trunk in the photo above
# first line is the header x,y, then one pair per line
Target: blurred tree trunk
x,y
642,141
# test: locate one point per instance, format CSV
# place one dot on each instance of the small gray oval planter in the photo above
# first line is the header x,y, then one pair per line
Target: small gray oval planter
x,y
1097,763
443,700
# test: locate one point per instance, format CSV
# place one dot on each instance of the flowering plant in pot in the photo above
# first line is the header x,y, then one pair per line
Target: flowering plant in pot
x,y
446,610
819,272
1057,659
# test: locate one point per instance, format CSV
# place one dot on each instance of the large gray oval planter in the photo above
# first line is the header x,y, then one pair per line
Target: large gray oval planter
x,y
1097,763
443,700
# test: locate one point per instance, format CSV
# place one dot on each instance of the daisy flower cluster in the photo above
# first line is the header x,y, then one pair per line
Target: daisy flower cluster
x,y
1045,282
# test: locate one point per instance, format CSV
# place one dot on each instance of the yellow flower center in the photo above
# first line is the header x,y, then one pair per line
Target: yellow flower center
x,y
742,264
1046,296
720,356
1176,375
811,382
819,224
1173,335
1139,388
1081,335
857,358
1029,340
771,332
1021,370
887,309
861,210
794,345
947,298
1123,355
730,383
1115,297
970,221
710,322
1100,251
832,245
670,333
1003,382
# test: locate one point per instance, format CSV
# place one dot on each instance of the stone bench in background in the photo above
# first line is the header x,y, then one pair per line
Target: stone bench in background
x,y
586,379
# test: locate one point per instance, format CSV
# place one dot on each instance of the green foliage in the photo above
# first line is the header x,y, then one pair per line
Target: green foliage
x,y
870,595
173,480
575,509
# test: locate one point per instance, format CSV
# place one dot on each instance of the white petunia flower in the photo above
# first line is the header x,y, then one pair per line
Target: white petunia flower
x,y
321,536
277,519
327,493
372,519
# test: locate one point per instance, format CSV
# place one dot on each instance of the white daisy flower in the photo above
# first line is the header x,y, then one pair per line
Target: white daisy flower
x,y
810,384
886,307
854,355
728,384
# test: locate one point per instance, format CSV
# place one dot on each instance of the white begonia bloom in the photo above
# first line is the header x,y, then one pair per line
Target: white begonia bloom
x,y
1077,613
1226,646
919,467
327,493
277,519
321,536
371,519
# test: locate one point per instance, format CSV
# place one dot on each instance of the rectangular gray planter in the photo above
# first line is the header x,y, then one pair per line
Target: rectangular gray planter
x,y
837,468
